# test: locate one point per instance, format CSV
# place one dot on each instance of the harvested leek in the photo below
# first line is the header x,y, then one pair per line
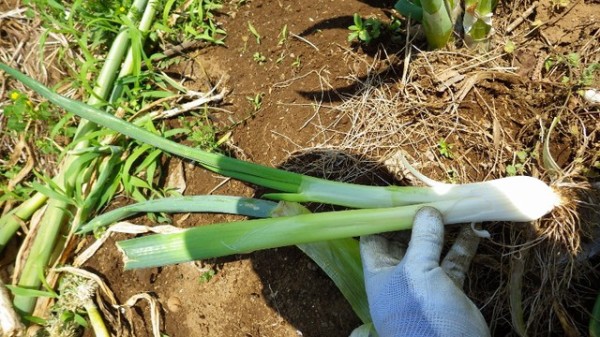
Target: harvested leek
x,y
243,237
340,259
392,208
516,198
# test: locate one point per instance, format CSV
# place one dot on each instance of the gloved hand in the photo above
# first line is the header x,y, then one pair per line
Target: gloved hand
x,y
413,295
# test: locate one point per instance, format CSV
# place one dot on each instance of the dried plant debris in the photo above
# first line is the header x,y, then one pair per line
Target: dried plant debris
x,y
467,116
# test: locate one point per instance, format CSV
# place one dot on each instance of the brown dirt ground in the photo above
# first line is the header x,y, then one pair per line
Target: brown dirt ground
x,y
280,292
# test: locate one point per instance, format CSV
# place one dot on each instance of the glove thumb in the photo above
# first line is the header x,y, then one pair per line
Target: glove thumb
x,y
425,247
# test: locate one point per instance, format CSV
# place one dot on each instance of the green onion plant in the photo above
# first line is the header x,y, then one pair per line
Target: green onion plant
x,y
97,161
379,209
76,165
441,19
512,197
510,205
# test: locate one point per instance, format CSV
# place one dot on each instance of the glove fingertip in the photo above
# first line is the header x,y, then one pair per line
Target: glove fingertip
x,y
427,237
426,217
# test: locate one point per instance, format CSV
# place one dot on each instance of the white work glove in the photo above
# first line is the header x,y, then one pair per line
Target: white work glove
x,y
413,296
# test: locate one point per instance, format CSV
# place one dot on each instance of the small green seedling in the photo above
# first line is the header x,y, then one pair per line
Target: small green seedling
x,y
297,62
259,58
364,31
254,32
283,35
518,165
445,148
256,101
207,276
510,47
281,57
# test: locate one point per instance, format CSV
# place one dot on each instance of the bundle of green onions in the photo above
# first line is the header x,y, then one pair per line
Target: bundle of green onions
x,y
389,208
325,237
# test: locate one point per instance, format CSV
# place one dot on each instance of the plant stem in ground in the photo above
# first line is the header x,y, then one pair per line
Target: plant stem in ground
x,y
12,221
477,21
437,24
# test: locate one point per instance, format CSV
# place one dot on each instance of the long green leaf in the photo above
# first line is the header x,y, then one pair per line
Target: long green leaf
x,y
281,180
224,239
303,188
52,194
26,292
186,204
339,259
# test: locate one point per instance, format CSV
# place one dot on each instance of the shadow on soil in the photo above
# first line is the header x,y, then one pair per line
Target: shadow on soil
x,y
295,286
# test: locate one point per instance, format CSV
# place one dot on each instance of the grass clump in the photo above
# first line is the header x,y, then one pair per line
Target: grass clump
x,y
89,165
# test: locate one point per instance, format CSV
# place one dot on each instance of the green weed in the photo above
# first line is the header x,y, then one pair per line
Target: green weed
x,y
207,276
256,101
200,131
297,62
364,30
518,165
195,21
445,148
574,71
37,123
259,58
281,57
283,36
